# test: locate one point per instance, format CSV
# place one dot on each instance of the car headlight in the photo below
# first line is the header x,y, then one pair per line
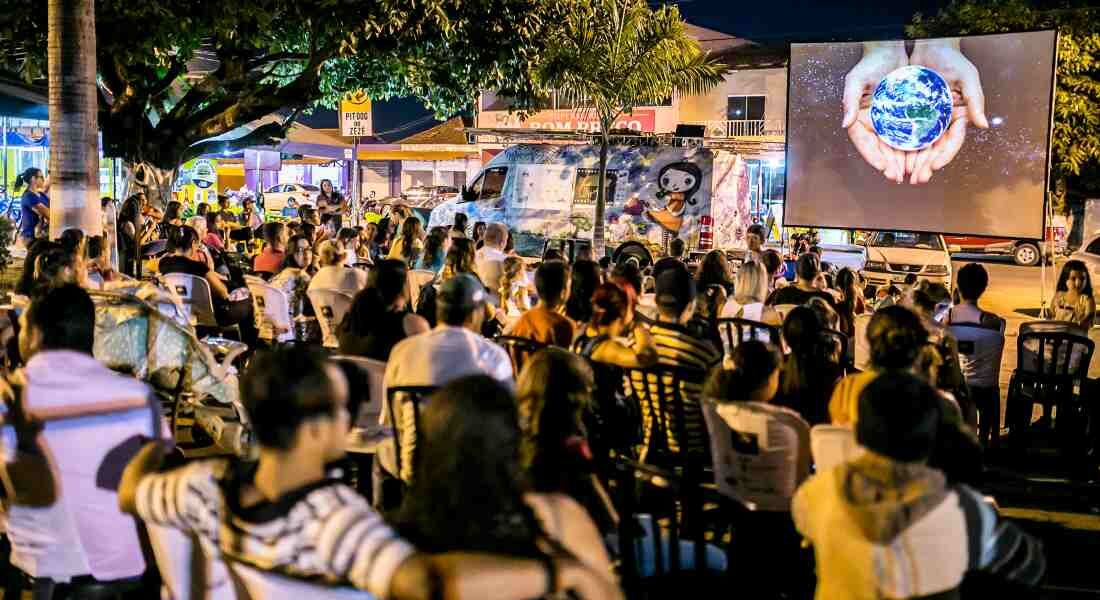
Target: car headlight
x,y
935,270
875,265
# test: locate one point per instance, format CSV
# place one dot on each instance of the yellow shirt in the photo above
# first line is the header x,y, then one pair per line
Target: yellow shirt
x,y
844,405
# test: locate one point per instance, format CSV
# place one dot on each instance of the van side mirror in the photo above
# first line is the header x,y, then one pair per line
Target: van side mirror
x,y
468,195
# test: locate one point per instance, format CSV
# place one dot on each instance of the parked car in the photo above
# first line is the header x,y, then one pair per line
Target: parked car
x,y
278,197
894,255
1089,253
1024,252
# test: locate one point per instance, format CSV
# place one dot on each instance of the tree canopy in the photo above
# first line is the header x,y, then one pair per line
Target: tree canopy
x,y
1076,139
174,73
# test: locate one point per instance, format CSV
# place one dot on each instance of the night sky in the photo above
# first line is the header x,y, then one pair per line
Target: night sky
x,y
766,21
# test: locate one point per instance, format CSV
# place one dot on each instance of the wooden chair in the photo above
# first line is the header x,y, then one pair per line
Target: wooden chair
x,y
330,306
519,349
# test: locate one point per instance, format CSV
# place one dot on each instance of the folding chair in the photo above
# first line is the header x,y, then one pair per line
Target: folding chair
x,y
735,330
832,445
519,350
980,353
271,308
330,306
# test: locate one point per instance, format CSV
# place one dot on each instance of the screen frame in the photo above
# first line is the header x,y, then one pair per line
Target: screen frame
x,y
1049,136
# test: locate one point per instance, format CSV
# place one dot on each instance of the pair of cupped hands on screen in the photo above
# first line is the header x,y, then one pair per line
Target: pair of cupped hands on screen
x,y
879,59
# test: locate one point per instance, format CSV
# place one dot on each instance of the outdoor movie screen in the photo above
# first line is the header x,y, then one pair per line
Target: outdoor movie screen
x,y
946,135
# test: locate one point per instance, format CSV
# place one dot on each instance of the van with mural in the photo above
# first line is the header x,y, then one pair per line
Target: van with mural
x,y
654,193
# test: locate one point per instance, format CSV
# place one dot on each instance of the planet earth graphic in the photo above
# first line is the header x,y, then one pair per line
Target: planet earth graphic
x,y
911,108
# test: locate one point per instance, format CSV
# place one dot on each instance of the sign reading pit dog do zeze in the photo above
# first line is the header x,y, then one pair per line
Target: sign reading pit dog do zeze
x,y
355,115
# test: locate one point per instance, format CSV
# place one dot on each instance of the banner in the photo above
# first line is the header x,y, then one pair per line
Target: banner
x,y
642,119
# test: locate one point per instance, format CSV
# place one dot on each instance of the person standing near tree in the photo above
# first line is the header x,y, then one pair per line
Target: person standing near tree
x,y
34,204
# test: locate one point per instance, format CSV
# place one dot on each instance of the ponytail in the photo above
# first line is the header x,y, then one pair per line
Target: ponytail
x,y
24,178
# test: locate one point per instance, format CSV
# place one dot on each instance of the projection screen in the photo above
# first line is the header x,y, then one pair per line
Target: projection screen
x,y
947,135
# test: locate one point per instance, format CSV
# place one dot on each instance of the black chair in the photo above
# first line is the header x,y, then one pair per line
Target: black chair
x,y
1051,369
519,350
736,330
405,429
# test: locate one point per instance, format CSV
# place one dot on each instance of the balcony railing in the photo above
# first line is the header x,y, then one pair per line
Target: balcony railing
x,y
745,128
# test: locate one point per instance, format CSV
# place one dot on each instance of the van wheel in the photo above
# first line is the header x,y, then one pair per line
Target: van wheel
x,y
632,249
1027,255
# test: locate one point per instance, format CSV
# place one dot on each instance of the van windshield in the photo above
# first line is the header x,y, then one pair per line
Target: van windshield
x,y
490,184
905,239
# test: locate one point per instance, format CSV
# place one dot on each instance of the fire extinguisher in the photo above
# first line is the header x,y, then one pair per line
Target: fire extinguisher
x,y
706,232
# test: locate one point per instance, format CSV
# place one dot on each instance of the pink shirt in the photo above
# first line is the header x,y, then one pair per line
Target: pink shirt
x,y
213,240
90,532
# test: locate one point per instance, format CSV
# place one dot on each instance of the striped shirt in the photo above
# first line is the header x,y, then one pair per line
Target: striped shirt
x,y
676,347
324,532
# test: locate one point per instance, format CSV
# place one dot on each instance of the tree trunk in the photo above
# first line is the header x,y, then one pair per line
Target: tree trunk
x,y
598,246
74,147
154,181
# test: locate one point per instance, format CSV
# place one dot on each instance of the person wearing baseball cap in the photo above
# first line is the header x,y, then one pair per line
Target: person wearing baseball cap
x,y
677,346
887,525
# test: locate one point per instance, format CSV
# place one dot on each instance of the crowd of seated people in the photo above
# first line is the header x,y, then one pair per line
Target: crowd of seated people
x,y
500,483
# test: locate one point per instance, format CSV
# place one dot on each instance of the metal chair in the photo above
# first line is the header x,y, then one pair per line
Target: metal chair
x,y
519,349
735,330
1052,367
330,306
980,353
407,399
272,311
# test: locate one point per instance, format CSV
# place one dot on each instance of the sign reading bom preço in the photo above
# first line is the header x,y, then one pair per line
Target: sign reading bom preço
x,y
355,115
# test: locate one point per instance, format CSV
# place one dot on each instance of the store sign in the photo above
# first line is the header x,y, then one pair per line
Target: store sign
x,y
642,119
355,115
201,173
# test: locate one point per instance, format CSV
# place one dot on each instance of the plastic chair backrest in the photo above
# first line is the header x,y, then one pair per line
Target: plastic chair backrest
x,y
735,330
418,278
1050,327
196,296
861,349
370,414
271,308
519,350
1054,356
647,305
671,395
408,400
330,306
747,466
254,584
980,352
832,445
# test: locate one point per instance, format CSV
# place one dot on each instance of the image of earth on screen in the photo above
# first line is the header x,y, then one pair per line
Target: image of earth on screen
x,y
944,135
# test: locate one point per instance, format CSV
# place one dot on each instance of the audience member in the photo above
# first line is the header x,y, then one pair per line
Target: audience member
x,y
851,301
468,492
271,257
436,246
489,260
229,310
755,237
252,216
703,323
888,501
348,238
586,276
408,245
971,282
334,274
714,270
806,272
56,267
214,227
479,234
368,247
545,322
553,254
553,395
173,217
825,312
628,273
458,229
1073,301
294,275
750,291
810,371
514,292
773,264
91,538
379,316
289,518
459,260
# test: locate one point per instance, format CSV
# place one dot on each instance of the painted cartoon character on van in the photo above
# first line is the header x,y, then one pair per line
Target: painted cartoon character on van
x,y
678,183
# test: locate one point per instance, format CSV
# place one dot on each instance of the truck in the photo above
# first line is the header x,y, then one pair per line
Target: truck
x,y
653,194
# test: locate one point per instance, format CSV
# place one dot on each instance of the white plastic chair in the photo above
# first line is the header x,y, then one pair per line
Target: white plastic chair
x,y
254,584
647,305
862,348
370,414
194,292
330,306
272,311
832,445
418,278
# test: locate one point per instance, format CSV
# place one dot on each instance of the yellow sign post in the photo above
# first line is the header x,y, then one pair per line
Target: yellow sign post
x,y
355,115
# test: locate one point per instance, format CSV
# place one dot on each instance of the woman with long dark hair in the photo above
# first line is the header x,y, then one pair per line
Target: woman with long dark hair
x,y
407,245
294,275
851,301
331,202
714,270
129,246
34,205
586,276
172,218
379,316
435,248
810,371
468,492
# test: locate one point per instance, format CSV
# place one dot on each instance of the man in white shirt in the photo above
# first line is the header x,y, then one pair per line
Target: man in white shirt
x,y
489,261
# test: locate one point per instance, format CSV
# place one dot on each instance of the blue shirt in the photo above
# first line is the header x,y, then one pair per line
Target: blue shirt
x,y
29,219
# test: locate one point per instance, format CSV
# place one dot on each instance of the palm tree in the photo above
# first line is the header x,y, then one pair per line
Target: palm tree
x,y
613,55
74,141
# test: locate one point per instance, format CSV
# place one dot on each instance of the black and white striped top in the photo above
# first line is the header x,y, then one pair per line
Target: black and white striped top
x,y
324,532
